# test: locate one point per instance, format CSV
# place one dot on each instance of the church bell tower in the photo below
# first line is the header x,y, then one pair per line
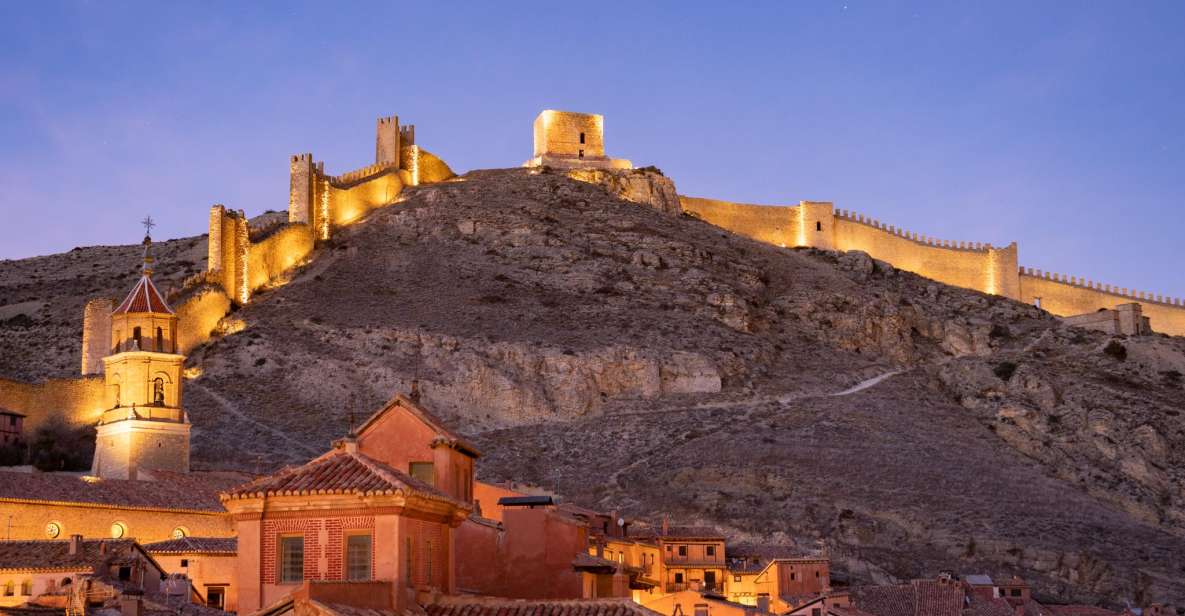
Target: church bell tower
x,y
144,427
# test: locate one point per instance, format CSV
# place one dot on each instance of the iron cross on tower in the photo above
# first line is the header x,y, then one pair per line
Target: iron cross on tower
x,y
148,225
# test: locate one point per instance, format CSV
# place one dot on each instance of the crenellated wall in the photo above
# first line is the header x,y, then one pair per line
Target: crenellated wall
x,y
970,265
818,224
1068,295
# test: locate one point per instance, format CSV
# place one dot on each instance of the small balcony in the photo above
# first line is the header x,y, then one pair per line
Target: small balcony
x,y
142,413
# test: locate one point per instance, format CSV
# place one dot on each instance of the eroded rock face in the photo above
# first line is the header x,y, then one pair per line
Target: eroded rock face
x,y
646,185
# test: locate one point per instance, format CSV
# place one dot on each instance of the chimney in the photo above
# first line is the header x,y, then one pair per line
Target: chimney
x,y
103,547
75,545
665,525
348,444
414,394
131,603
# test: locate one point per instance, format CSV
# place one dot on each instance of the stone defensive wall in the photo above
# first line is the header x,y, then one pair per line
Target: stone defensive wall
x,y
819,225
1067,295
77,400
971,265
766,223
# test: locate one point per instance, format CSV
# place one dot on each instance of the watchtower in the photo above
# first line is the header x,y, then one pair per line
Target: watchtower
x,y
570,139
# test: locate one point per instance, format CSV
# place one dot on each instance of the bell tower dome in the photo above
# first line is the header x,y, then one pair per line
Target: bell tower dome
x,y
144,426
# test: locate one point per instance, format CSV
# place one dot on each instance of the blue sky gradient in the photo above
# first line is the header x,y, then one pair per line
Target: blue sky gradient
x,y
1058,125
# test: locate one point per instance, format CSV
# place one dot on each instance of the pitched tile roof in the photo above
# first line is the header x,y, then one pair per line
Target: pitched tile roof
x,y
46,555
195,545
172,491
918,598
144,298
1078,610
691,532
338,472
490,606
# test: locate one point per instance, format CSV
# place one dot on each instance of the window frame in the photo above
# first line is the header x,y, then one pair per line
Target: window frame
x,y
352,534
280,541
411,470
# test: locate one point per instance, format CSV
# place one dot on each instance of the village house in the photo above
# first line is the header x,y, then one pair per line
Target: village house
x,y
93,576
382,505
208,562
781,579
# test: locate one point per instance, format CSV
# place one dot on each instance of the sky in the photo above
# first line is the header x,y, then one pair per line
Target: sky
x,y
1058,125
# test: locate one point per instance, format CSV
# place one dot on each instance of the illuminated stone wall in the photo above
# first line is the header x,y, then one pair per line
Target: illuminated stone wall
x,y
77,400
772,224
198,315
558,133
280,251
125,449
969,265
226,249
423,167
1068,295
29,521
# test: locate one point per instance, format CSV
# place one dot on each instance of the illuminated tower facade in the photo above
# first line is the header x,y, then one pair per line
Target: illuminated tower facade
x,y
144,427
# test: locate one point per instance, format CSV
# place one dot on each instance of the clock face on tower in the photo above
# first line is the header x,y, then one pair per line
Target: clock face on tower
x,y
53,530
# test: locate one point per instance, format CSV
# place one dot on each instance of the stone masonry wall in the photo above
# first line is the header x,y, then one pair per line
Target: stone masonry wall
x,y
773,224
77,400
970,265
277,253
96,334
1067,296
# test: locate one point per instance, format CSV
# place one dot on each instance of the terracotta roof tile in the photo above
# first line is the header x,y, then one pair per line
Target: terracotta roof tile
x,y
55,555
919,598
339,472
195,545
144,298
990,607
173,491
489,606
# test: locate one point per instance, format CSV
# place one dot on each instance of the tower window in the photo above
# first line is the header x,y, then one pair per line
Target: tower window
x,y
581,138
136,338
818,226
159,343
158,391
581,153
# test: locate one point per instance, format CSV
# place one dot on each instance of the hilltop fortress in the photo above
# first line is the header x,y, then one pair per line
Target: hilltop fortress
x,y
242,260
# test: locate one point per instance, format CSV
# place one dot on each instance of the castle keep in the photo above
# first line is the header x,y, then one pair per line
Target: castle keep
x,y
572,141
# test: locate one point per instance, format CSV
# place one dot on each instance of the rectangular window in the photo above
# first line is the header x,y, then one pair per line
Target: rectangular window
x,y
792,577
678,578
291,560
184,562
711,550
736,578
358,557
125,573
1015,592
682,550
818,226
424,472
581,138
581,153
816,611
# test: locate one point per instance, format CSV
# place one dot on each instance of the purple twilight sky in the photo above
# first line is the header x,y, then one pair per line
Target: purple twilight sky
x,y
1057,125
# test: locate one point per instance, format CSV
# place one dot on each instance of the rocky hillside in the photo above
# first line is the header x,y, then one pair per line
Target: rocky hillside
x,y
637,359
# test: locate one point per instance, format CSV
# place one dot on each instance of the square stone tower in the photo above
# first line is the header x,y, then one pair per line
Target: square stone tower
x,y
572,140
